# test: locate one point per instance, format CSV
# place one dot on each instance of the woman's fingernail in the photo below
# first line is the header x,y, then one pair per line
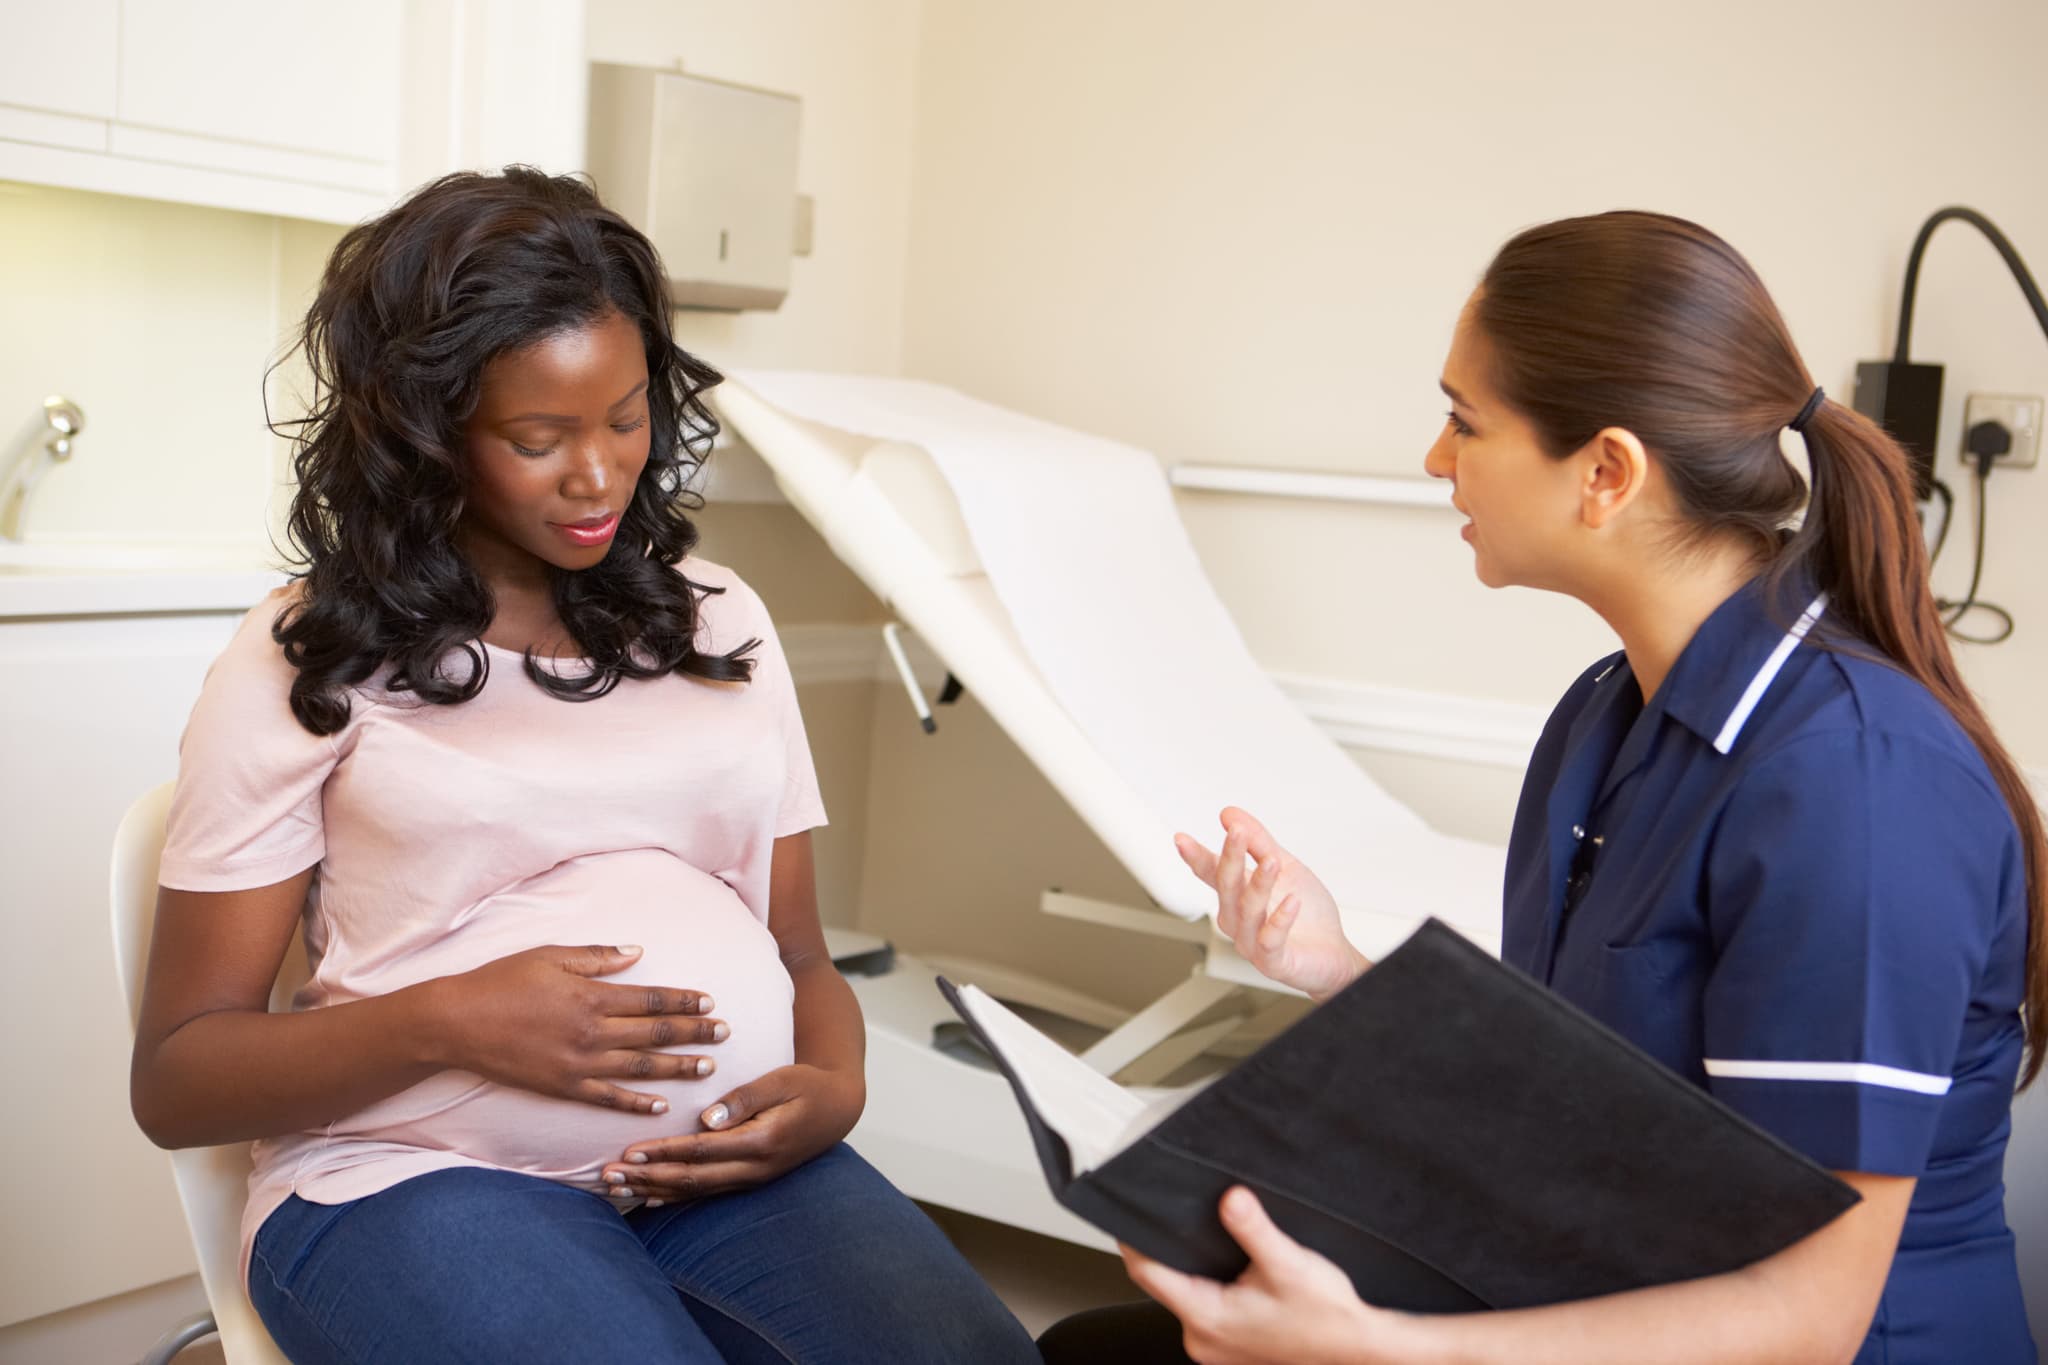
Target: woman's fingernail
x,y
656,1203
703,1066
720,1032
661,1106
630,949
638,1158
614,1177
715,1116
705,1004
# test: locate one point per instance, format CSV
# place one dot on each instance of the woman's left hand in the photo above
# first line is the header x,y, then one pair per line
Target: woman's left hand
x,y
762,1130
1290,1304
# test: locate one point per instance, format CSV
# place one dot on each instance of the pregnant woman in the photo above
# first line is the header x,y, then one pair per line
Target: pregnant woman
x,y
570,1079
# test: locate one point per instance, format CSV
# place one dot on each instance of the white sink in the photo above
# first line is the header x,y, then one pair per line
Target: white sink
x,y
126,577
130,556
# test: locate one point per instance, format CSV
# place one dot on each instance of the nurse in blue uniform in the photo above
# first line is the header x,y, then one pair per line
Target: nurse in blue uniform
x,y
1772,840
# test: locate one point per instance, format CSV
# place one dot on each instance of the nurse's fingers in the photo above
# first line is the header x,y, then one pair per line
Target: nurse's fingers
x,y
1248,1223
1254,836
1273,933
1199,859
1251,907
1229,885
1181,1294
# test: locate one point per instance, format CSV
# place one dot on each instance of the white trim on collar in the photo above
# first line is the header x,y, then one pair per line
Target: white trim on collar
x,y
1754,693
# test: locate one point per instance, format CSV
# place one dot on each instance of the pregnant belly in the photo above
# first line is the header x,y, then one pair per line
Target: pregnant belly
x,y
697,935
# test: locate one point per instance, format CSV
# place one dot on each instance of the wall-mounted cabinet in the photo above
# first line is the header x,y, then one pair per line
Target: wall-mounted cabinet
x,y
288,108
297,108
708,171
61,59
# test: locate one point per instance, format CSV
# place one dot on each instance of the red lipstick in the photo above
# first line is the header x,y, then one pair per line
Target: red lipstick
x,y
591,530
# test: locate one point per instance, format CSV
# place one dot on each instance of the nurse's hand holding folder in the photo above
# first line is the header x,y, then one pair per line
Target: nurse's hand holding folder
x,y
1775,939
1293,1305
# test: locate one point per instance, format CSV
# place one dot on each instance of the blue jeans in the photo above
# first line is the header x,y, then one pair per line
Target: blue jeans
x,y
828,1264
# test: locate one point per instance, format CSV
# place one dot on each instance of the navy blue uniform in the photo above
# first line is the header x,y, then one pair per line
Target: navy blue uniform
x,y
1791,878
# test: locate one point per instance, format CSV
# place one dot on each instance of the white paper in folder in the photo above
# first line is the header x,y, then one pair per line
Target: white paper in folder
x,y
1082,545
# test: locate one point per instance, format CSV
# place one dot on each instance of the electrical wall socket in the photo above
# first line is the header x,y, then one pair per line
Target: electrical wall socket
x,y
2021,416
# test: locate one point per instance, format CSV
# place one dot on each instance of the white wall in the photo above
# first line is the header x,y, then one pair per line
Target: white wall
x,y
1239,234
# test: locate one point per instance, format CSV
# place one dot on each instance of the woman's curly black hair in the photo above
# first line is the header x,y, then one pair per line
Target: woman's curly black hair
x,y
412,306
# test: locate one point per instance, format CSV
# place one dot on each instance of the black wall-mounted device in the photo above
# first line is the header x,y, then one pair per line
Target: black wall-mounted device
x,y
1904,398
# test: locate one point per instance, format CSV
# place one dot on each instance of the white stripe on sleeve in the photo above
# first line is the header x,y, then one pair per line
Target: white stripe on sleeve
x,y
1859,1073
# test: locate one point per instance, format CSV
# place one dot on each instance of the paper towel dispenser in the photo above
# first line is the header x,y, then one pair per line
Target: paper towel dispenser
x,y
708,171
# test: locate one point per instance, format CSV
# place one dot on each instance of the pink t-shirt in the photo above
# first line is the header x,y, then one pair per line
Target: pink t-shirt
x,y
449,836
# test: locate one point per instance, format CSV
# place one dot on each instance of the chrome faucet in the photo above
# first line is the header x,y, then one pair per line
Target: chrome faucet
x,y
47,439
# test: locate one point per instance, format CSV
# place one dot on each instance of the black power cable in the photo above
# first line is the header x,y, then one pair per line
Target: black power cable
x,y
1978,436
1986,442
2005,250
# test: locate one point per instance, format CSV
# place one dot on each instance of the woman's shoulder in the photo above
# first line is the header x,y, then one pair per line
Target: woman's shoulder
x,y
253,672
253,652
730,597
706,573
729,612
246,694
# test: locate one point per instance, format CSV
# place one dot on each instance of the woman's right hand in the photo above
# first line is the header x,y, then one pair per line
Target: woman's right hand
x,y
541,1021
1280,917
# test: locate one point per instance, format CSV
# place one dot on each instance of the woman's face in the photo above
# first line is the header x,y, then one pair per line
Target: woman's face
x,y
555,449
1522,506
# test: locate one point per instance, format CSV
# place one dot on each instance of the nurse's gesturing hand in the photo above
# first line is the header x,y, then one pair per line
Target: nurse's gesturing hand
x,y
1281,918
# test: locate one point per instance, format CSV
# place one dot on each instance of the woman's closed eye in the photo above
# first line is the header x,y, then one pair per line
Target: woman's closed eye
x,y
1458,424
623,428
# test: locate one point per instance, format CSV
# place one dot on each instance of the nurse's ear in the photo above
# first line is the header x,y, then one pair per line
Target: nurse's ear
x,y
1614,471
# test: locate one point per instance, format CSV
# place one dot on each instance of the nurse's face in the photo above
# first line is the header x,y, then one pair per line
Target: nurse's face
x,y
1522,506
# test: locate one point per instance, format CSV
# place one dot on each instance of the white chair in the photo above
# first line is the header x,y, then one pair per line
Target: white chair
x,y
212,1182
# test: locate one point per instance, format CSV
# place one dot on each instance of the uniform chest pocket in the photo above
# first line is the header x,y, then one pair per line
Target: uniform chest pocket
x,y
1649,992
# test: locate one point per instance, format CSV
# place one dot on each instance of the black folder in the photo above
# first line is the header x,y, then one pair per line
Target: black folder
x,y
1456,1137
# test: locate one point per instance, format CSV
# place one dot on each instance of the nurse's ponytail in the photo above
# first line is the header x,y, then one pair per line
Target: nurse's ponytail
x,y
1651,323
1861,541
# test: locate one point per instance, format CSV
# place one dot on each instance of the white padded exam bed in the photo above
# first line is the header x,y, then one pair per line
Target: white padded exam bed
x,y
1049,573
